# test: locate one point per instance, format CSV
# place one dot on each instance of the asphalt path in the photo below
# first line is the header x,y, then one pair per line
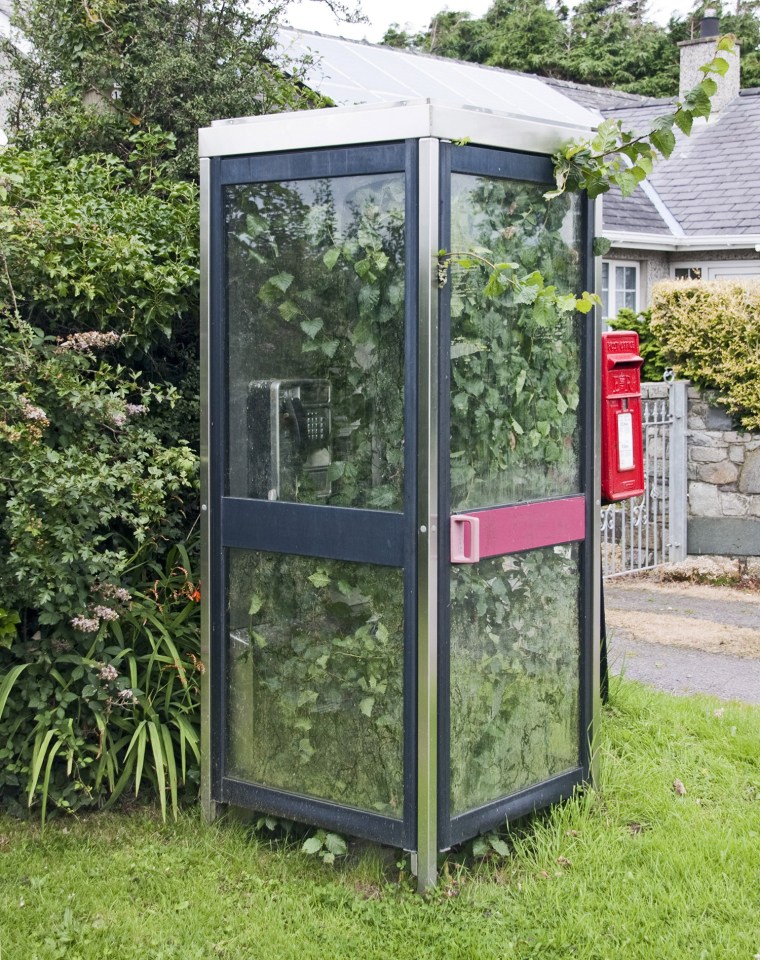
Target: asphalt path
x,y
653,614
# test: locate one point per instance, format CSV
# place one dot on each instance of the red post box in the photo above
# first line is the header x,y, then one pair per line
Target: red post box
x,y
622,440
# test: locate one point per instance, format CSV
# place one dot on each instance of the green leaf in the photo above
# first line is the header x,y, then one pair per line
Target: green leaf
x,y
312,327
366,706
282,281
336,470
627,180
46,781
288,311
157,749
520,382
499,846
664,141
526,292
319,579
596,186
684,121
566,304
171,766
709,86
480,847
336,844
254,224
717,65
39,753
601,246
312,845
331,257
256,604
586,301
7,684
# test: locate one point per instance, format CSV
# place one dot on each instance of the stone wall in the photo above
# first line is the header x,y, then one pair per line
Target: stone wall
x,y
723,482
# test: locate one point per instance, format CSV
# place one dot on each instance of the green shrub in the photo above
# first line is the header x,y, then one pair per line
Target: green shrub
x,y
108,701
99,466
98,243
650,348
710,331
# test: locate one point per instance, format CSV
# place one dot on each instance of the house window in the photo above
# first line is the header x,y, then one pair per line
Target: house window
x,y
620,287
688,273
717,270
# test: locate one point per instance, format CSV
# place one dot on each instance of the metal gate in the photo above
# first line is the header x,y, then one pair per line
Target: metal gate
x,y
649,530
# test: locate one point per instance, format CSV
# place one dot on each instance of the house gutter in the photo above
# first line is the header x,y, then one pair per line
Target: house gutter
x,y
659,241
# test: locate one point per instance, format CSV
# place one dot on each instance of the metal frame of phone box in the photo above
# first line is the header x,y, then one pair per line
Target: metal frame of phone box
x,y
414,138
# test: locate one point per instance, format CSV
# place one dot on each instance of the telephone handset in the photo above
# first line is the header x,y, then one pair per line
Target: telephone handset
x,y
293,421
289,431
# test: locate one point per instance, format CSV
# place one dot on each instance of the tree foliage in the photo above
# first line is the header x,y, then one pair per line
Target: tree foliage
x,y
172,64
609,43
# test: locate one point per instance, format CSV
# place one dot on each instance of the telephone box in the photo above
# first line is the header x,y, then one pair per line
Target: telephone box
x,y
400,475
622,439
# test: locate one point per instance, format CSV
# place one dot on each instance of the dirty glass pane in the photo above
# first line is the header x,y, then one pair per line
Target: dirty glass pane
x,y
515,656
515,365
315,701
315,278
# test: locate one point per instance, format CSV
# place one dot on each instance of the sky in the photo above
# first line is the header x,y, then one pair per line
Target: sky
x,y
311,15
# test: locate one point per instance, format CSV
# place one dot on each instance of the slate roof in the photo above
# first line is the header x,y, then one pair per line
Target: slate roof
x,y
710,185
601,98
713,186
636,214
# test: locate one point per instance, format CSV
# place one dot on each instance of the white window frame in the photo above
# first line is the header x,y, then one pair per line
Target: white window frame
x,y
719,269
612,287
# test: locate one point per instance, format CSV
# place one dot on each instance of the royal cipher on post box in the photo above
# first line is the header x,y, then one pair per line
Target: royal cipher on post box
x,y
622,442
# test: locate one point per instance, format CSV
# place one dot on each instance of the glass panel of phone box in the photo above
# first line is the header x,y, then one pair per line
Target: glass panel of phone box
x,y
316,416
515,437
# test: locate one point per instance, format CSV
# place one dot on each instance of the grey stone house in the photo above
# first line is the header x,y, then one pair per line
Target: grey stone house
x,y
698,215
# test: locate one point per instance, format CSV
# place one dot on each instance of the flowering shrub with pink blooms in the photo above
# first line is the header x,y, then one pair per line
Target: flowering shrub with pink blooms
x,y
98,480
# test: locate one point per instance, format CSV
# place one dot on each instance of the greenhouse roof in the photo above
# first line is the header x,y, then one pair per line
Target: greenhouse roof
x,y
354,72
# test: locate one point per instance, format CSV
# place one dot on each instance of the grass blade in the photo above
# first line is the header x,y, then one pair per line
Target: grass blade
x,y
139,737
7,685
171,766
41,744
46,781
158,761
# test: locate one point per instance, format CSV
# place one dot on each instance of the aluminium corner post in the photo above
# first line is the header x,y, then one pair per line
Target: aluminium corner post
x,y
594,270
427,518
208,804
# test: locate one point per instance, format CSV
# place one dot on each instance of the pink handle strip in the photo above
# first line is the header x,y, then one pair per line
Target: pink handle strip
x,y
465,539
524,526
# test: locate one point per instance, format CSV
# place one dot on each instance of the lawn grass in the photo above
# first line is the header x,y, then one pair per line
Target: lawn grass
x,y
631,871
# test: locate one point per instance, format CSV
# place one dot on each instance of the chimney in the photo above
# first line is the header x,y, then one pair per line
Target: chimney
x,y
696,53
